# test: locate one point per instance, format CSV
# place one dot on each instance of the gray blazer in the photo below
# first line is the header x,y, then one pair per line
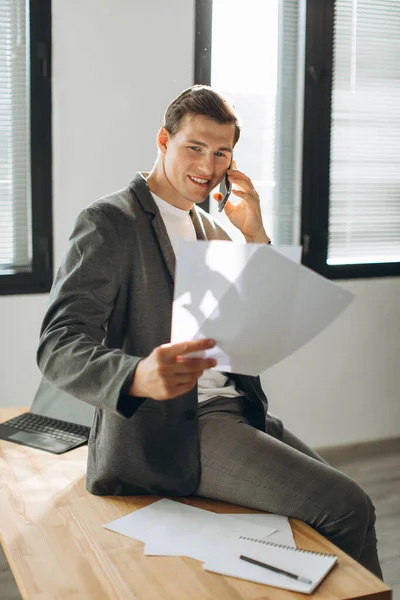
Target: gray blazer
x,y
111,305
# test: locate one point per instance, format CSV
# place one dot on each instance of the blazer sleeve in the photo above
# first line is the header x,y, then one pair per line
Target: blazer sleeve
x,y
71,353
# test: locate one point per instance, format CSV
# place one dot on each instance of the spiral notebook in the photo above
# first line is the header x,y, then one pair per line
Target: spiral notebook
x,y
309,565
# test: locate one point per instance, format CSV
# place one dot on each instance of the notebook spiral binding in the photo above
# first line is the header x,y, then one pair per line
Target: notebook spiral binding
x,y
249,539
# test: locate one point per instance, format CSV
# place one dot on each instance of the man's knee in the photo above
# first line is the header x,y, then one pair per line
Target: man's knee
x,y
351,512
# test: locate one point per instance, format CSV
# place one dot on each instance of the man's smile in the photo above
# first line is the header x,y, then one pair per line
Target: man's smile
x,y
199,181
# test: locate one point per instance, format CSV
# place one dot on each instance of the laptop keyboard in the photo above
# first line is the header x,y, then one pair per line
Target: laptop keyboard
x,y
61,430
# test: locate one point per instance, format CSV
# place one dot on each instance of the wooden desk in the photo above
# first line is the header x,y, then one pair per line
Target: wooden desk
x,y
52,536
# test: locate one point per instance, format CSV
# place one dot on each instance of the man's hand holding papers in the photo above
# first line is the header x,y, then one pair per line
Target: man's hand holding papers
x,y
168,371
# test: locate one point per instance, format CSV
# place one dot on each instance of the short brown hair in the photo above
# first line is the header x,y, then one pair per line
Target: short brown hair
x,y
200,100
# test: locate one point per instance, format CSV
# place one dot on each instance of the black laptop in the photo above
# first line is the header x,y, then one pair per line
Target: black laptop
x,y
56,422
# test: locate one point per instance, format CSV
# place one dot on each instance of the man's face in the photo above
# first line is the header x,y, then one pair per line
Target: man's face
x,y
195,159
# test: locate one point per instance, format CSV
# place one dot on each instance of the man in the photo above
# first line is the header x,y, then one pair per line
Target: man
x,y
165,423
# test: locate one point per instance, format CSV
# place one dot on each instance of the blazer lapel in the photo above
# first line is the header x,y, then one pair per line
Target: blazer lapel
x,y
145,198
165,243
143,194
198,224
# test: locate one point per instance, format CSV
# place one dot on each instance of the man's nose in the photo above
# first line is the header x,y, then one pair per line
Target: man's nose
x,y
207,164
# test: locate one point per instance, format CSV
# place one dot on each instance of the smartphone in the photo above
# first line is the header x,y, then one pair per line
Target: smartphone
x,y
225,187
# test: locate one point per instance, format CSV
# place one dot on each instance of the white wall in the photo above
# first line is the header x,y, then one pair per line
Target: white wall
x,y
116,65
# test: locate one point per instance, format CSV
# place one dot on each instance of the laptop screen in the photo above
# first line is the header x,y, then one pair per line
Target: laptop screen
x,y
52,402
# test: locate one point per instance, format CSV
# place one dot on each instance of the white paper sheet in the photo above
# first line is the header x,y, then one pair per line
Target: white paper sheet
x,y
282,534
176,529
259,305
292,252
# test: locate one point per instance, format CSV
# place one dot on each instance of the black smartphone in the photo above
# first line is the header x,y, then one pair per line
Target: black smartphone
x,y
225,188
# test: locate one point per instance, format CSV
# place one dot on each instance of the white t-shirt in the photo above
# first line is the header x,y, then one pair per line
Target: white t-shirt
x,y
180,226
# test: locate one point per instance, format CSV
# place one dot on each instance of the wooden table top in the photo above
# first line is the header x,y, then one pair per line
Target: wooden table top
x,y
51,533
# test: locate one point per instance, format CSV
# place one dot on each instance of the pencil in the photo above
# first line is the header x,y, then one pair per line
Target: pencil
x,y
253,561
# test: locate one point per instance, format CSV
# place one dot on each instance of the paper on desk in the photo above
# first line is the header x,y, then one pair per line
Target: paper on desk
x,y
312,566
259,305
282,534
176,529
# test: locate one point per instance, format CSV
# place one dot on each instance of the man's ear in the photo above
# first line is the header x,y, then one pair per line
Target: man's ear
x,y
163,137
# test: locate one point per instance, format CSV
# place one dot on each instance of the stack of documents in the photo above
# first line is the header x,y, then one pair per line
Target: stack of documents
x,y
254,299
171,528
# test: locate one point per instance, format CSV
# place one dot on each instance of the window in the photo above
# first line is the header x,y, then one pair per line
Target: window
x,y
351,191
257,62
364,218
317,84
25,147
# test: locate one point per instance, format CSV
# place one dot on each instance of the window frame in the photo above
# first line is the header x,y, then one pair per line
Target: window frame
x,y
316,151
316,136
202,53
38,278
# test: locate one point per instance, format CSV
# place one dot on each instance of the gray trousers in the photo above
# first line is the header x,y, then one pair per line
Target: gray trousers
x,y
245,466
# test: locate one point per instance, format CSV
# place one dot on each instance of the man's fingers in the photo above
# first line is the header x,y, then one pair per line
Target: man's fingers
x,y
188,379
246,196
218,196
192,365
237,178
169,352
229,207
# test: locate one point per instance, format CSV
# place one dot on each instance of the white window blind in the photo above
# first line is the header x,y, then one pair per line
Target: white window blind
x,y
364,220
15,197
257,61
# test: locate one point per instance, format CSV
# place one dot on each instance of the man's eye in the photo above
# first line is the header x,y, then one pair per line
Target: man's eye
x,y
195,148
219,154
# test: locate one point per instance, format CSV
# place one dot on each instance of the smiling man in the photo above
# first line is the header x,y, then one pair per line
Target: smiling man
x,y
164,423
